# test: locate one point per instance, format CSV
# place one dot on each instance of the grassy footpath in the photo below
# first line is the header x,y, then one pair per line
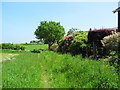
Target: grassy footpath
x,y
53,70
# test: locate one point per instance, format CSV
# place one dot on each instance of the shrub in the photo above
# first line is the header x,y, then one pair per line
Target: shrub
x,y
79,43
97,35
12,46
75,44
111,42
54,47
7,46
19,47
64,45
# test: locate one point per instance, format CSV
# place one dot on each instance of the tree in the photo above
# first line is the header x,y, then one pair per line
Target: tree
x,y
50,32
71,31
33,41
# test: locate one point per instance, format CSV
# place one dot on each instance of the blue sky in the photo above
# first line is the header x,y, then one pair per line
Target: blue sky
x,y
20,19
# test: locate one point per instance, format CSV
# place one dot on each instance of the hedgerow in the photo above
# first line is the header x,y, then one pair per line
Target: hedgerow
x,y
12,46
81,42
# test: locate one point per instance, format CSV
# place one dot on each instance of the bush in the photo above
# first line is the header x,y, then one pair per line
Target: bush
x,y
54,47
64,45
79,43
19,47
12,46
7,46
75,44
97,35
111,42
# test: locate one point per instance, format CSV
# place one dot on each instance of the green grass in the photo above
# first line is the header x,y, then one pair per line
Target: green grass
x,y
11,51
52,70
37,46
28,47
24,71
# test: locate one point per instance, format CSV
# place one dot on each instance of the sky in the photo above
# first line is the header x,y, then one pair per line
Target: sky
x,y
21,19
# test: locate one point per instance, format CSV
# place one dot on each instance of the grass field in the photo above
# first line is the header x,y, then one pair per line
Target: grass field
x,y
53,70
31,47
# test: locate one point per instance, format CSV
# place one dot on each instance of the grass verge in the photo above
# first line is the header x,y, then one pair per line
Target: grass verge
x,y
53,70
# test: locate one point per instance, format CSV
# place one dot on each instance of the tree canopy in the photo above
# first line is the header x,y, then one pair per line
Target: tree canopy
x,y
71,31
50,32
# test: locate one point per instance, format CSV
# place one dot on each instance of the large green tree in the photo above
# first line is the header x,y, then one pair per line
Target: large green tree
x,y
50,32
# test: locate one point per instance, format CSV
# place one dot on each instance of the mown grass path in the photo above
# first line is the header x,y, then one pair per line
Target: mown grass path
x,y
44,75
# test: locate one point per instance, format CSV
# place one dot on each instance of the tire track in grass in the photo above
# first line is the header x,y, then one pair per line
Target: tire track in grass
x,y
44,75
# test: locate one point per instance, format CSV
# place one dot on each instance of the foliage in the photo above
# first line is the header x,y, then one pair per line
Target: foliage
x,y
97,35
75,44
0,46
79,43
94,39
54,47
12,46
50,32
72,31
60,71
111,42
64,45
35,42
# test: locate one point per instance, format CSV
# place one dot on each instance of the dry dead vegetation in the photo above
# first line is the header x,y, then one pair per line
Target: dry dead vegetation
x,y
7,57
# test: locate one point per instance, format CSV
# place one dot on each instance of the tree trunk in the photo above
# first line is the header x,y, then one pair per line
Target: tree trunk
x,y
87,51
94,51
